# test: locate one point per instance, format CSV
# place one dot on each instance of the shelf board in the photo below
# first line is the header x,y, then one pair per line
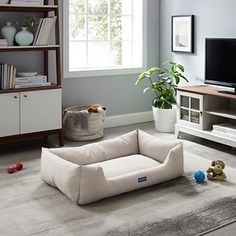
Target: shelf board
x,y
34,8
28,48
206,134
53,86
223,113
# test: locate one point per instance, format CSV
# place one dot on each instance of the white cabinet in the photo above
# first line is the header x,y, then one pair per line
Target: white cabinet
x,y
30,112
40,110
9,114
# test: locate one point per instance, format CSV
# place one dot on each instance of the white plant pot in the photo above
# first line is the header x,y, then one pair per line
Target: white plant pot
x,y
164,119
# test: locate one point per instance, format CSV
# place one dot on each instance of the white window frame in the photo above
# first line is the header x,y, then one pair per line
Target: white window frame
x,y
103,71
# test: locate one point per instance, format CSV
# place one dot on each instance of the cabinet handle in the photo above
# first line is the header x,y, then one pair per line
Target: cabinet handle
x,y
15,97
25,96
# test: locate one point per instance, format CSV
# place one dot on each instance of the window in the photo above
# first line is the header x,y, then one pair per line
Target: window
x,y
103,37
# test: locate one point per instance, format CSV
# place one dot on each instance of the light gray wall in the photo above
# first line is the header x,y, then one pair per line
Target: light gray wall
x,y
118,93
213,18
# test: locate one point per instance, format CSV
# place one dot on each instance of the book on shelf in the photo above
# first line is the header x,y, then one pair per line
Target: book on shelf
x,y
3,42
30,85
44,31
226,128
224,135
7,76
27,2
31,79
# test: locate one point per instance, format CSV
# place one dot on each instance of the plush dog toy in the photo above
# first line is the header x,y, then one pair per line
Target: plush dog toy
x,y
216,171
96,108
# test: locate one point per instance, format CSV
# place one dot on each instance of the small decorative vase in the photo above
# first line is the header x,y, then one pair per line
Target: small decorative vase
x,y
24,37
8,32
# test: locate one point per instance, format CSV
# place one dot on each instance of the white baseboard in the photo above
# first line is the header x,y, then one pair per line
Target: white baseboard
x,y
128,119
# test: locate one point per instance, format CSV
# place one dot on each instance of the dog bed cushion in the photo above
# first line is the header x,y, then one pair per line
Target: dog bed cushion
x,y
125,165
99,170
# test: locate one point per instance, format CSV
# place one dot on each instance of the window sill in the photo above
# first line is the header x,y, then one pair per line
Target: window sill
x,y
103,72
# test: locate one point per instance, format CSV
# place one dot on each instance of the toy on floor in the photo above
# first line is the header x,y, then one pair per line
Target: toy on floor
x,y
199,176
216,171
13,169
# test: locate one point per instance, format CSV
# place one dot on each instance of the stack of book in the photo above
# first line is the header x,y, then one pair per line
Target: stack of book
x,y
7,76
44,31
27,2
31,81
3,42
226,130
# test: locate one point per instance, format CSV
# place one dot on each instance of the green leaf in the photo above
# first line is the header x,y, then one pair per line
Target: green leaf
x,y
146,89
153,70
181,67
177,79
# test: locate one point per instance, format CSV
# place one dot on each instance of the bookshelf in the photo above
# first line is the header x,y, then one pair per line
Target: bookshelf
x,y
33,112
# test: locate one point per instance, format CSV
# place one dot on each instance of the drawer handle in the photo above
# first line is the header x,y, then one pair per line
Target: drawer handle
x,y
25,96
15,97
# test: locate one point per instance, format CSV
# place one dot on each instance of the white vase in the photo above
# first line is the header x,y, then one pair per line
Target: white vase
x,y
8,32
24,37
164,119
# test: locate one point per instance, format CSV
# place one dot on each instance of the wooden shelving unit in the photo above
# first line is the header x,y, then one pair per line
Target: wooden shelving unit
x,y
44,96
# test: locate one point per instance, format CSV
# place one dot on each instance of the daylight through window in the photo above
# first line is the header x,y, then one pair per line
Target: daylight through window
x,y
104,34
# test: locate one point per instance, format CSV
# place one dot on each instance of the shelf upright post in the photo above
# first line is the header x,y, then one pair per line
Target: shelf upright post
x,y
57,35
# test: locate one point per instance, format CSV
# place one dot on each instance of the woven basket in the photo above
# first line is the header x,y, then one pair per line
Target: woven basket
x,y
73,129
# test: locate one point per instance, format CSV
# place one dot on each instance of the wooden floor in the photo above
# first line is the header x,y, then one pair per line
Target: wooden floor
x,y
30,207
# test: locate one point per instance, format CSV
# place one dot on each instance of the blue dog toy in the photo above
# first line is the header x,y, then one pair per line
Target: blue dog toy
x,y
199,176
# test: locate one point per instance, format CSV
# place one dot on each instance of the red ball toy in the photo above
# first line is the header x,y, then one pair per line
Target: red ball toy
x,y
13,169
19,166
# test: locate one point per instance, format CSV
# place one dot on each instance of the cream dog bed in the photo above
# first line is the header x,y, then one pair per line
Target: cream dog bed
x,y
95,171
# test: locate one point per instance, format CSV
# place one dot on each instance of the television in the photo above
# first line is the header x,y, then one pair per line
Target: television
x,y
220,62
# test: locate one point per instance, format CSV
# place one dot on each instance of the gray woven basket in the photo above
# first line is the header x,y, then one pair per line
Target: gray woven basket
x,y
76,128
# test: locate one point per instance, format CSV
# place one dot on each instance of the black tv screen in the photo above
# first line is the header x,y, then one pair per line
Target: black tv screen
x,y
220,62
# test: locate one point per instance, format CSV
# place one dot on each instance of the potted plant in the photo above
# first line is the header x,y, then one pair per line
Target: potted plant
x,y
164,87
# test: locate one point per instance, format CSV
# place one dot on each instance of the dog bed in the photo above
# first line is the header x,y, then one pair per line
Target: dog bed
x,y
95,171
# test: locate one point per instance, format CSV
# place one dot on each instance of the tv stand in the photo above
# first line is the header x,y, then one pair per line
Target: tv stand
x,y
202,109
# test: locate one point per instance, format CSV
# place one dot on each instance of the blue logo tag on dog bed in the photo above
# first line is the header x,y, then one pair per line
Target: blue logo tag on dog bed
x,y
142,179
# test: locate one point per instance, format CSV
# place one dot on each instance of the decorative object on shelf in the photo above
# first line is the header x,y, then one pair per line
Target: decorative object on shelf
x,y
24,37
30,22
8,32
164,88
199,176
182,34
216,171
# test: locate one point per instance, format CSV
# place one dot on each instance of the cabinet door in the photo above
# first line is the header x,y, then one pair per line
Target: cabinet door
x,y
40,110
190,108
9,115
